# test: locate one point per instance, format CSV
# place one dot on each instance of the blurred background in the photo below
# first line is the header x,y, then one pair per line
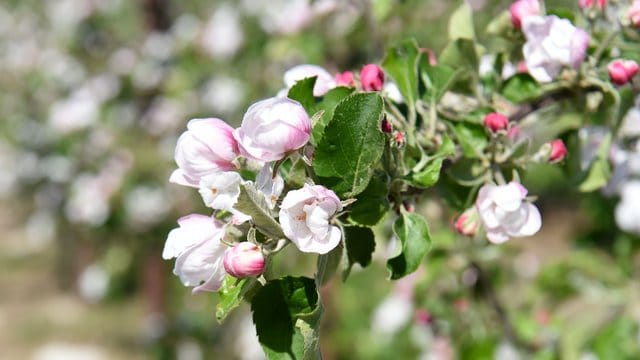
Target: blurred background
x,y
93,95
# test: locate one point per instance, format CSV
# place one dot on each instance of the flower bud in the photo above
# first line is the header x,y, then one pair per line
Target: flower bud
x,y
521,9
586,4
467,223
386,126
496,122
244,260
558,151
399,137
372,77
622,71
634,14
345,79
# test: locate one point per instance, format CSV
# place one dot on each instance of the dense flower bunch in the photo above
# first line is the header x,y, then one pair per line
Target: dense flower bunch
x,y
333,156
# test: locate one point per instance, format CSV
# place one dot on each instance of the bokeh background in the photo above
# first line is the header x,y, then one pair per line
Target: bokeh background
x,y
93,95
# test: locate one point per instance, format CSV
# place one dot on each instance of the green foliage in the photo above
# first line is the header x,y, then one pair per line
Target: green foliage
x,y
328,105
252,202
302,92
521,88
232,293
351,146
413,232
599,170
471,137
360,244
372,204
401,62
461,23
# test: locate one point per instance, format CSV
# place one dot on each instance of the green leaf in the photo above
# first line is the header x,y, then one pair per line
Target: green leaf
x,y
295,173
438,79
328,264
252,202
286,312
401,62
413,232
429,175
360,243
460,53
232,292
599,171
461,23
500,25
352,144
329,102
372,204
302,92
520,88
472,139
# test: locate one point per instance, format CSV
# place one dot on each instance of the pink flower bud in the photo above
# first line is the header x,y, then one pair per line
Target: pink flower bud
x,y
272,128
467,223
585,4
521,9
423,317
386,126
244,260
372,78
399,137
345,79
622,71
522,67
634,14
496,122
558,151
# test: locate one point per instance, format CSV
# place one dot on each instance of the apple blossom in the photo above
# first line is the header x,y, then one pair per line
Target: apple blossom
x,y
585,4
198,251
220,190
271,128
345,79
269,185
244,260
558,150
467,223
505,213
372,77
305,215
622,71
552,43
324,80
634,14
496,122
206,147
521,9
627,211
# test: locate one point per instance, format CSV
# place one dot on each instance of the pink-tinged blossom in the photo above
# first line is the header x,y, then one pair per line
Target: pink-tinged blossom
x,y
372,77
269,185
272,128
505,213
521,9
552,44
205,148
558,151
496,122
324,80
198,251
220,190
305,216
622,71
244,260
634,14
585,4
467,223
345,79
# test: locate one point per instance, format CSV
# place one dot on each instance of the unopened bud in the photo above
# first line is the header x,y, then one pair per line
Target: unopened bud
x,y
521,9
372,78
345,79
467,223
622,71
496,122
244,260
558,151
399,137
423,317
386,126
634,14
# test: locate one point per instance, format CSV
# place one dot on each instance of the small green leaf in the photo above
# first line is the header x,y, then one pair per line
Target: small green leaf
x,y
472,139
253,203
461,23
286,312
302,92
328,104
351,145
328,264
460,53
438,79
599,171
232,292
500,25
401,62
429,175
360,243
413,232
372,204
520,88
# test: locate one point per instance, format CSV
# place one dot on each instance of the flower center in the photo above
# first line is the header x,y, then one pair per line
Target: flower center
x,y
214,191
301,217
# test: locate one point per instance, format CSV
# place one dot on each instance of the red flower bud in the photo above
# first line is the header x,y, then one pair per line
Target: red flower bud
x,y
372,78
622,71
386,126
496,122
399,137
244,260
558,151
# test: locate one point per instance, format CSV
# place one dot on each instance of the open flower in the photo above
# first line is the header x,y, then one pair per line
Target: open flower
x,y
271,128
627,211
552,44
505,213
269,185
305,215
206,147
198,251
220,190
324,80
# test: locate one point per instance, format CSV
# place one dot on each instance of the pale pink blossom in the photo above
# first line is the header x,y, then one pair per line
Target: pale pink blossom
x,y
244,260
198,251
269,185
552,44
220,190
634,14
305,216
584,4
324,80
505,213
521,9
207,147
272,128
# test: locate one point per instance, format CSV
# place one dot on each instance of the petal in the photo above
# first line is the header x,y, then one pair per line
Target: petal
x,y
179,177
533,222
497,237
